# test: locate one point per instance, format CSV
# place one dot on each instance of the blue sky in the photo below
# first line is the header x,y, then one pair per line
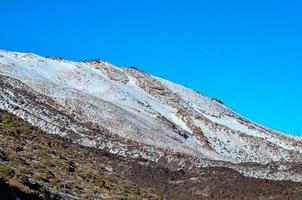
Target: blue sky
x,y
247,53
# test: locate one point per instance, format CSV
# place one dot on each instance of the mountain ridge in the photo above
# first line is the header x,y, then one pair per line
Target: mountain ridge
x,y
130,113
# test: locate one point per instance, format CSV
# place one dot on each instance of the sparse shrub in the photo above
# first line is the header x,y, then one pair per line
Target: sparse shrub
x,y
11,157
21,130
37,165
39,177
8,127
6,170
24,170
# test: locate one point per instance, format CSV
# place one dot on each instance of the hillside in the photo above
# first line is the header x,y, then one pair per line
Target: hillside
x,y
163,137
48,167
35,165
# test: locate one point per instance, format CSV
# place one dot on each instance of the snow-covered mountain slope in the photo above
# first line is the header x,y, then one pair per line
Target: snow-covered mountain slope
x,y
135,108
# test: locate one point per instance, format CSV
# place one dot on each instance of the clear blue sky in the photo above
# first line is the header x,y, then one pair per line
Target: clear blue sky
x,y
247,53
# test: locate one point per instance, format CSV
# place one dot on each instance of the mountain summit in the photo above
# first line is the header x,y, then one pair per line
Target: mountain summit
x,y
132,114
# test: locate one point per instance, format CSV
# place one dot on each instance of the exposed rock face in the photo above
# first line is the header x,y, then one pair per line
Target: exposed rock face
x,y
129,113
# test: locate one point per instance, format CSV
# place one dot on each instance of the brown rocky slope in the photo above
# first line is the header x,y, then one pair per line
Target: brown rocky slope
x,y
35,165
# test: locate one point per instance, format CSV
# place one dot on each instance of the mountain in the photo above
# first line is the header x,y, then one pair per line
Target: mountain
x,y
136,116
